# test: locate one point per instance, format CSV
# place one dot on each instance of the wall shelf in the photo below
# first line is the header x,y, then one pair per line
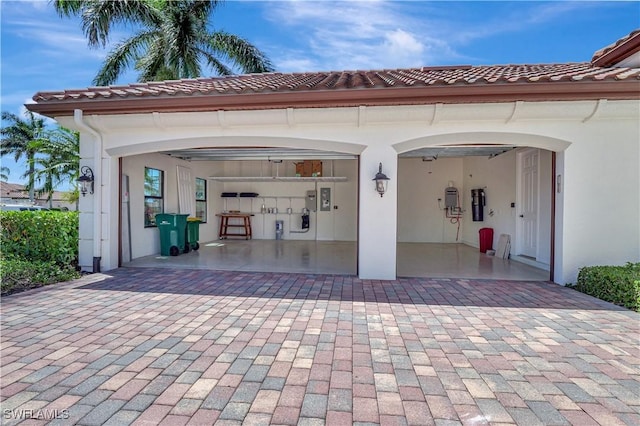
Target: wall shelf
x,y
253,204
277,179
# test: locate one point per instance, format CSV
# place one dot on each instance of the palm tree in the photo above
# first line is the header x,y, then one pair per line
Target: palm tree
x,y
18,139
4,173
173,41
60,161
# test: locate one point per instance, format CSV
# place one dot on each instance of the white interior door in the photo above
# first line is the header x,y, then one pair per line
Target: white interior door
x,y
528,212
186,192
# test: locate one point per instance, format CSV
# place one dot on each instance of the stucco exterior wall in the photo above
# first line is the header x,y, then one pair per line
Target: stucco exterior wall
x,y
599,142
600,186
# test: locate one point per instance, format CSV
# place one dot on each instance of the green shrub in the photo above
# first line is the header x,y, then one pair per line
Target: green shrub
x,y
40,235
615,284
38,248
19,274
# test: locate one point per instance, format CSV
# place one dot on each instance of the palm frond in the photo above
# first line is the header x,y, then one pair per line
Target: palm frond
x,y
215,63
68,8
152,65
179,42
121,57
240,51
4,173
98,16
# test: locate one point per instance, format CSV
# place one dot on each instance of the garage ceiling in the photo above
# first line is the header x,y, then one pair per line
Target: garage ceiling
x,y
256,153
276,154
433,153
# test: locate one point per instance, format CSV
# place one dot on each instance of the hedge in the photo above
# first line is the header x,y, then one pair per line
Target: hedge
x,y
40,235
19,274
38,248
615,284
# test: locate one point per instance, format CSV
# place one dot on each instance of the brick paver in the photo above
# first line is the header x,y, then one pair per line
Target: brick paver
x,y
145,347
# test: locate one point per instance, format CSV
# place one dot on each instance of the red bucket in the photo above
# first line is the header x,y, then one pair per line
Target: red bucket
x,y
486,239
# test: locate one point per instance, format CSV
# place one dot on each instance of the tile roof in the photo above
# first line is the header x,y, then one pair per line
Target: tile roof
x,y
351,80
618,50
18,191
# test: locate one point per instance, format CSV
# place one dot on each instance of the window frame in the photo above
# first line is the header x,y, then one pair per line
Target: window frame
x,y
201,200
146,196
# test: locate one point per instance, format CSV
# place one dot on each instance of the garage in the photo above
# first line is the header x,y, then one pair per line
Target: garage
x,y
572,130
434,240
448,196
300,220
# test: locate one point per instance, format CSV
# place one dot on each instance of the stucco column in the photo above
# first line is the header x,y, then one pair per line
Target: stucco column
x,y
377,221
98,237
86,207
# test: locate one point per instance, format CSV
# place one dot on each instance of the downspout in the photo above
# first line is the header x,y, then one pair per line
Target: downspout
x,y
97,196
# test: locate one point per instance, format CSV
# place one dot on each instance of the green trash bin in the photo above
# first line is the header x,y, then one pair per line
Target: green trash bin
x,y
173,228
193,232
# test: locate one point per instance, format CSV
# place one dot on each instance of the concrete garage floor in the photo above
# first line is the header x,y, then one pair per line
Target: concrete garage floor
x,y
164,346
461,261
339,257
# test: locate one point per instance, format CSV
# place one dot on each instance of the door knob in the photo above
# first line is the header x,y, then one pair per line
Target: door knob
x,y
521,215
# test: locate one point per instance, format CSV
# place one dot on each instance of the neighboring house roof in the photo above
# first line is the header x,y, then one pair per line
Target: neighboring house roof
x,y
446,84
618,51
13,190
16,191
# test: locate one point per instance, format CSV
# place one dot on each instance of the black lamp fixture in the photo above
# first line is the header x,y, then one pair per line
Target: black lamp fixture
x,y
86,180
381,181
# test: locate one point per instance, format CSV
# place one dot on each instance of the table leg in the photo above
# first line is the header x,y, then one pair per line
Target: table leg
x,y
222,226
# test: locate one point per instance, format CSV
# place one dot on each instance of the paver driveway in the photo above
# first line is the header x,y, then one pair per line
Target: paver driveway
x,y
147,346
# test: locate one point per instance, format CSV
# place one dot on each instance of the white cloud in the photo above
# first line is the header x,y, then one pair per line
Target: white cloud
x,y
402,46
54,39
338,35
297,64
36,4
349,35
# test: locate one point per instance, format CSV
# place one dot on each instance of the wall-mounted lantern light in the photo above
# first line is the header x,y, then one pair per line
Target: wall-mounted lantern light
x,y
381,181
86,180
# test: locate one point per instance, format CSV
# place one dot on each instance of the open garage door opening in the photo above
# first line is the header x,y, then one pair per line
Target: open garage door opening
x,y
475,212
262,209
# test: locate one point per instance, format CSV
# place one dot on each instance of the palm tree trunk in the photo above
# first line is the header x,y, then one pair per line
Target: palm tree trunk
x,y
32,171
50,185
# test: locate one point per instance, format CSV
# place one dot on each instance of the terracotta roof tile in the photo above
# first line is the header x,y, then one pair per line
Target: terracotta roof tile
x,y
628,44
18,191
344,80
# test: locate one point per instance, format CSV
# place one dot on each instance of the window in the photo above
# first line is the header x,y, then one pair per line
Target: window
x,y
153,195
201,199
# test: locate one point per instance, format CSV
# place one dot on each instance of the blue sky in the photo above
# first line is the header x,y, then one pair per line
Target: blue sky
x,y
41,51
